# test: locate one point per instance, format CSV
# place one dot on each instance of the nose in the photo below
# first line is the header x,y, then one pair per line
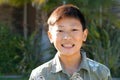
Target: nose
x,y
67,36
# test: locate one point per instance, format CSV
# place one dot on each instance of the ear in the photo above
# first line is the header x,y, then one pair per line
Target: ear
x,y
85,33
50,36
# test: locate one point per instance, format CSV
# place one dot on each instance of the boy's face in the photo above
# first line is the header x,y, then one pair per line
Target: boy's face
x,y
67,36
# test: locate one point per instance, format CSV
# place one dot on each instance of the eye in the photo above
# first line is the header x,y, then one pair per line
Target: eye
x,y
59,30
74,29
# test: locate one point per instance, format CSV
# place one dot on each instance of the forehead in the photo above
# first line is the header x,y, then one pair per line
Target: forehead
x,y
68,21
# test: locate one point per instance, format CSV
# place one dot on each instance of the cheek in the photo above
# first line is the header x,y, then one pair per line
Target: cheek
x,y
79,40
56,37
78,36
59,35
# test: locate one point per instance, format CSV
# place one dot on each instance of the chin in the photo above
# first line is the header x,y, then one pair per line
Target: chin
x,y
67,54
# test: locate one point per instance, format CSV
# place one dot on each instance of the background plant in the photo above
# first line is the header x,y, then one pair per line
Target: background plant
x,y
32,53
19,55
10,55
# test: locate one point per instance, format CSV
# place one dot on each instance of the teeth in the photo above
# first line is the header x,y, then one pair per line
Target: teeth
x,y
67,45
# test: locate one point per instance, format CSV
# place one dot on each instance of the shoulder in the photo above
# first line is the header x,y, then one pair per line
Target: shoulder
x,y
98,68
41,70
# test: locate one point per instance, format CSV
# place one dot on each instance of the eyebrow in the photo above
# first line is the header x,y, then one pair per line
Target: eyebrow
x,y
60,26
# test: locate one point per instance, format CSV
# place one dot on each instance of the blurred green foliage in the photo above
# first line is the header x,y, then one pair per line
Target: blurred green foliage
x,y
18,55
31,48
10,55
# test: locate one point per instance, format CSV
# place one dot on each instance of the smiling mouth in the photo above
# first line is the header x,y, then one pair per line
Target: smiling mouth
x,y
67,45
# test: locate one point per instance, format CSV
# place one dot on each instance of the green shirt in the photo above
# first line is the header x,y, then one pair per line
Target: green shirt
x,y
88,70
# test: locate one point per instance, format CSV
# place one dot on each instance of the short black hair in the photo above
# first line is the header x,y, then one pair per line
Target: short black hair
x,y
67,10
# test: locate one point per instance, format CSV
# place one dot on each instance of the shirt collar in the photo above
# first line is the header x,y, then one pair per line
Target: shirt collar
x,y
57,66
84,63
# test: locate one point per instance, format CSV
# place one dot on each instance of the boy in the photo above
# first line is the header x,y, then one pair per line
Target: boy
x,y
67,31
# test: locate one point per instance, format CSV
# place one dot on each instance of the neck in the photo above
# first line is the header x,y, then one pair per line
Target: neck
x,y
71,63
